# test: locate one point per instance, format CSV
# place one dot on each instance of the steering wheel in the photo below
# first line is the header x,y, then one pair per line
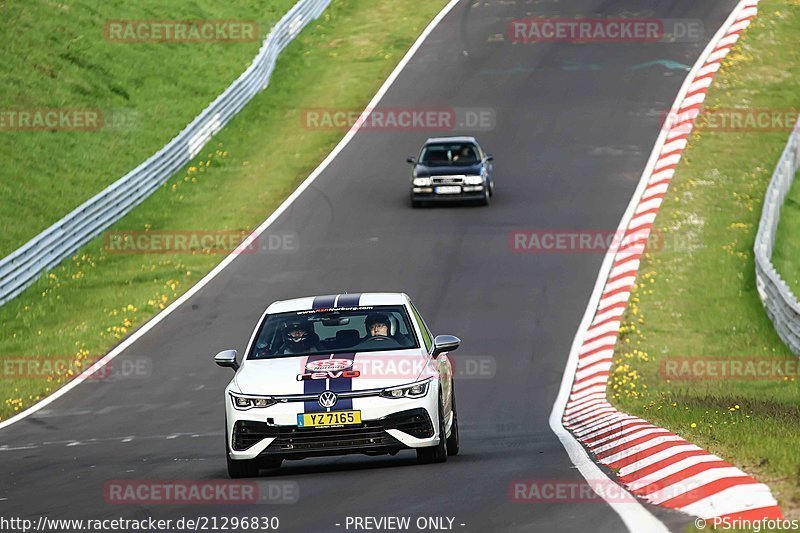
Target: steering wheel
x,y
380,338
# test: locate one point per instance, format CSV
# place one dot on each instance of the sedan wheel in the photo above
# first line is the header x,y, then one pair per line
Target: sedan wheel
x,y
438,453
242,468
452,440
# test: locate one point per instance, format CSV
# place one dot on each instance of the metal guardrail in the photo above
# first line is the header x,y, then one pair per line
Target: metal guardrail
x,y
781,304
24,266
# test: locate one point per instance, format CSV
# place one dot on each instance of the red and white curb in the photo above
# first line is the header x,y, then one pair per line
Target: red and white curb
x,y
652,463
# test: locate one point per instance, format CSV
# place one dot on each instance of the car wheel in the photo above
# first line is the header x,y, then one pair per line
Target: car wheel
x,y
486,195
241,468
415,203
452,440
438,453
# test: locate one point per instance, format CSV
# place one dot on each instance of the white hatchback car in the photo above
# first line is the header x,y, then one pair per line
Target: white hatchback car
x,y
340,374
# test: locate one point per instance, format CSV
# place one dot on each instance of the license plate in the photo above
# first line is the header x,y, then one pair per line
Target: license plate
x,y
448,189
331,418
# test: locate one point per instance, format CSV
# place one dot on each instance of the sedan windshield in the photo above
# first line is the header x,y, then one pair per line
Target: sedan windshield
x,y
334,330
449,154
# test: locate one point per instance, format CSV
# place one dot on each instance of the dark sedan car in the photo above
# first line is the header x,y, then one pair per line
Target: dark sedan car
x,y
451,169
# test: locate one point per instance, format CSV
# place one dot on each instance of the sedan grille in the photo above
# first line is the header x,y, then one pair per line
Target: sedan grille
x,y
448,180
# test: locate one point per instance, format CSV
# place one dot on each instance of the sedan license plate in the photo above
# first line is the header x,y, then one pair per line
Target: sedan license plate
x,y
448,189
331,418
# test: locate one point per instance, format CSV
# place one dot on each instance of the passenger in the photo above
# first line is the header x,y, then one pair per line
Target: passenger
x,y
377,326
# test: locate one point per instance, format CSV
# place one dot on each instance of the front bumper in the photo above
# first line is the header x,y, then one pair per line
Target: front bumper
x,y
474,192
388,426
371,437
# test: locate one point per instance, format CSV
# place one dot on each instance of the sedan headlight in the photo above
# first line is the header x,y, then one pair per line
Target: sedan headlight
x,y
415,390
473,180
422,182
243,402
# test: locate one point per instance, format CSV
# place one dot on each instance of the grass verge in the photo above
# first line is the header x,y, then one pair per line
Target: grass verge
x,y
701,302
57,56
91,301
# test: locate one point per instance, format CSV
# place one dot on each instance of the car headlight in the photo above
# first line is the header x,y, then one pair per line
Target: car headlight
x,y
473,180
415,390
422,182
243,402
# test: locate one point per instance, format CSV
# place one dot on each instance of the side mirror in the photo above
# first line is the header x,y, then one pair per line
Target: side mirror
x,y
489,157
227,359
445,343
411,160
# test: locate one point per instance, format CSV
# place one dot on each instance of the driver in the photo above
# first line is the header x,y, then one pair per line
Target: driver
x,y
466,154
299,336
377,325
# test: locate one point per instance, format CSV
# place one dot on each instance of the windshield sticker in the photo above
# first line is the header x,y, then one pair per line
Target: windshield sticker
x,y
332,309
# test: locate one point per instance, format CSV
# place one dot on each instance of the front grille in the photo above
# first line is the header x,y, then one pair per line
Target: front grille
x,y
366,436
448,180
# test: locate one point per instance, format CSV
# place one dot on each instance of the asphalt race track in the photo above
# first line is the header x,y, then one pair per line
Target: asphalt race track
x,y
574,126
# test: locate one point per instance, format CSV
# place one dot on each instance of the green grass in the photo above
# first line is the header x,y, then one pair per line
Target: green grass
x,y
55,55
786,253
704,303
96,298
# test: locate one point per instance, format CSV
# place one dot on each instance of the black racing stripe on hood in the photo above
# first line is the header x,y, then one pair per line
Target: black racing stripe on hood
x,y
323,302
314,386
318,386
339,385
348,300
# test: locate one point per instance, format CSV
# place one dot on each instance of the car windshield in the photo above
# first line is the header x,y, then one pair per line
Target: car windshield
x,y
334,330
449,154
